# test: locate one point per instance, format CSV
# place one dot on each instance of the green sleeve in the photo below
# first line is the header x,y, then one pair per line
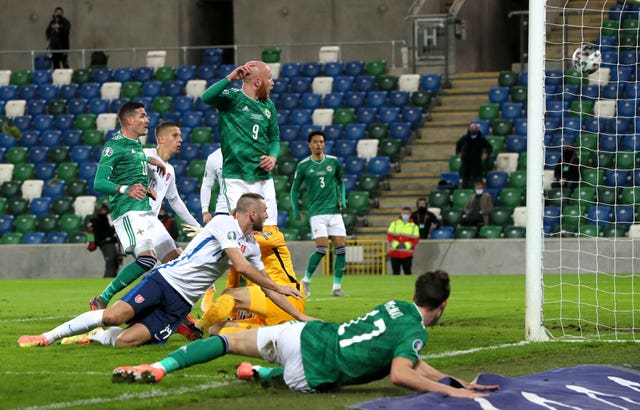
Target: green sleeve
x,y
341,188
209,95
102,183
295,212
274,148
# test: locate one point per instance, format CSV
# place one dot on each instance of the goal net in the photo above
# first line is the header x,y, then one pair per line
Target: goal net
x,y
583,142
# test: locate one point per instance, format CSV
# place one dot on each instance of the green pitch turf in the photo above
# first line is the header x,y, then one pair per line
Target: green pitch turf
x,y
482,331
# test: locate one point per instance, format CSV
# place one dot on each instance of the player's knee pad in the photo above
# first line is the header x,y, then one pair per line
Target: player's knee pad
x,y
341,250
146,262
321,250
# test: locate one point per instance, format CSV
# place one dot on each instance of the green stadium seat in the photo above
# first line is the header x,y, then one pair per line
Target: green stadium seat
x,y
572,216
581,108
391,148
271,55
610,28
77,237
57,106
67,171
284,201
387,82
376,67
421,98
17,155
369,183
585,156
501,216
302,225
451,216
625,160
350,220
440,199
454,163
166,73
81,75
344,116
510,197
615,231
497,143
11,238
131,89
490,232
460,197
466,232
286,167
588,231
93,138
70,223
592,176
584,193
519,94
76,187
630,195
58,154
20,77
201,135
62,205
556,196
48,223
514,232
26,223
507,79
291,234
378,131
587,140
607,195
284,152
196,168
518,179
3,205
358,202
522,161
17,206
85,121
489,111
10,189
24,171
162,104
604,159
281,183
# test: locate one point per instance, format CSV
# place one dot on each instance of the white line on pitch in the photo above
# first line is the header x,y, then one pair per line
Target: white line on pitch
x,y
474,350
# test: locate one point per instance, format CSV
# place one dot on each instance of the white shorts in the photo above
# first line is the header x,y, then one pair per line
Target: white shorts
x,y
324,226
140,231
234,188
281,344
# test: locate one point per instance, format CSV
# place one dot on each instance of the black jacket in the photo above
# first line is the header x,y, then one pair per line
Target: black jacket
x,y
471,149
58,38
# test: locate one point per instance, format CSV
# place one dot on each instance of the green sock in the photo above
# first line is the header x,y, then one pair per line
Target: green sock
x,y
127,275
338,268
200,351
314,260
270,374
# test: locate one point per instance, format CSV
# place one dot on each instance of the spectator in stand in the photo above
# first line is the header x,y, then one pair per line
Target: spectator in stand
x,y
425,219
472,148
58,37
478,207
104,237
567,172
402,237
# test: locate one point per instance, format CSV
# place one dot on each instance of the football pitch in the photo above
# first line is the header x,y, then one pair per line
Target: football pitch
x,y
481,331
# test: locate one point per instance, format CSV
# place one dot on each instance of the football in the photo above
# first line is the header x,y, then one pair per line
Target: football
x,y
586,59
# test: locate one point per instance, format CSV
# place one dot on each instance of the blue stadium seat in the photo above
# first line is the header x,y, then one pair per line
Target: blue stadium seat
x,y
68,91
366,115
520,126
189,152
87,170
310,100
594,124
210,119
413,115
42,122
354,99
146,101
291,69
173,88
350,182
627,107
289,101
398,98
364,83
354,165
353,68
300,116
152,89
77,106
98,106
33,238
179,166
27,92
623,215
613,91
516,143
345,148
627,56
171,116
499,95
48,91
8,92
333,132
213,56
616,177
63,121
280,85
41,76
400,131
497,179
183,104
56,237
208,148
621,73
389,114
332,69
307,129
631,143
193,203
36,106
282,219
609,142
334,100
599,215
53,189
188,185
30,138
116,103
6,223
299,149
81,153
379,165
206,72
431,82
355,131
377,98
45,171
283,116
192,119
556,109
7,141
123,74
300,84
289,132
40,206
343,83
37,154
553,77
443,232
185,73
511,111
50,138
225,69
142,74
552,158
311,69
23,122
89,90
101,74
72,137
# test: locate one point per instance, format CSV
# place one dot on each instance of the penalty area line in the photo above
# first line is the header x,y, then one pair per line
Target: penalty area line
x,y
154,393
455,353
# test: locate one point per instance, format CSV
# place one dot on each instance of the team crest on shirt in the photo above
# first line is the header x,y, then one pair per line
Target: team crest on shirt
x,y
243,247
139,299
417,345
329,168
267,113
107,152
231,235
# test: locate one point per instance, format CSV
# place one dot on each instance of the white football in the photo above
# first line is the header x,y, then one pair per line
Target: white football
x,y
586,59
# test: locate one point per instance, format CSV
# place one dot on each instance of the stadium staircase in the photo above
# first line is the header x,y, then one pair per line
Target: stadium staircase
x,y
431,150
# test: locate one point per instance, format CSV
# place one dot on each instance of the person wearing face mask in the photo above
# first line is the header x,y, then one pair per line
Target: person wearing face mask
x,y
403,236
478,207
425,219
472,148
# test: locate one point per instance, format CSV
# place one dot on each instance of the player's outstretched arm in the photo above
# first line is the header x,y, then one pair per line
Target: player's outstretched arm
x,y
284,304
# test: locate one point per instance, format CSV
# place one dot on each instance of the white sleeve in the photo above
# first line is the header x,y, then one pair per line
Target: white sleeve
x,y
180,208
254,256
222,228
207,182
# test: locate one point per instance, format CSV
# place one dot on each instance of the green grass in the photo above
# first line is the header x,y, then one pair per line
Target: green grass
x,y
484,313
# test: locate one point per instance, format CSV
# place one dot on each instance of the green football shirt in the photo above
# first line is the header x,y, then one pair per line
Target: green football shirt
x,y
323,184
361,350
122,162
248,130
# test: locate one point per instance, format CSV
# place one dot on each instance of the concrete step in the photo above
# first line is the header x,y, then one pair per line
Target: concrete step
x,y
419,183
428,150
465,116
403,193
465,105
432,132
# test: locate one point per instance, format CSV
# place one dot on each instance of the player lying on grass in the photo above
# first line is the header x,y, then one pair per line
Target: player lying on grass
x,y
155,307
277,262
321,356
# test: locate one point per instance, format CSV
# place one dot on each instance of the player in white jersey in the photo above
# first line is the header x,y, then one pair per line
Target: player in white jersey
x,y
154,309
212,176
169,139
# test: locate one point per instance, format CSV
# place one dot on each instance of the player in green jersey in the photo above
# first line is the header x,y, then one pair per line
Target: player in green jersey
x,y
322,177
123,173
321,356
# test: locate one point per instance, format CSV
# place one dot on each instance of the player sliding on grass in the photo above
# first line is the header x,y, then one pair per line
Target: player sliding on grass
x,y
321,356
154,309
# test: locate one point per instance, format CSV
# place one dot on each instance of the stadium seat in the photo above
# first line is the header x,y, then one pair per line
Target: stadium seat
x,y
300,84
196,168
366,115
33,238
386,82
56,237
173,88
23,122
45,170
152,89
85,122
10,189
443,232
498,95
514,232
460,197
98,106
67,171
355,131
25,223
367,149
389,114
358,202
466,232
23,171
390,147
490,232
354,165
451,216
497,179
378,131
92,138
17,155
6,172
431,82
345,148
17,205
322,116
11,238
501,216
399,98
310,100
15,108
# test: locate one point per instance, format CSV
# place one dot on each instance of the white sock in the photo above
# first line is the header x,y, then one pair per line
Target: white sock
x,y
336,286
108,336
78,325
